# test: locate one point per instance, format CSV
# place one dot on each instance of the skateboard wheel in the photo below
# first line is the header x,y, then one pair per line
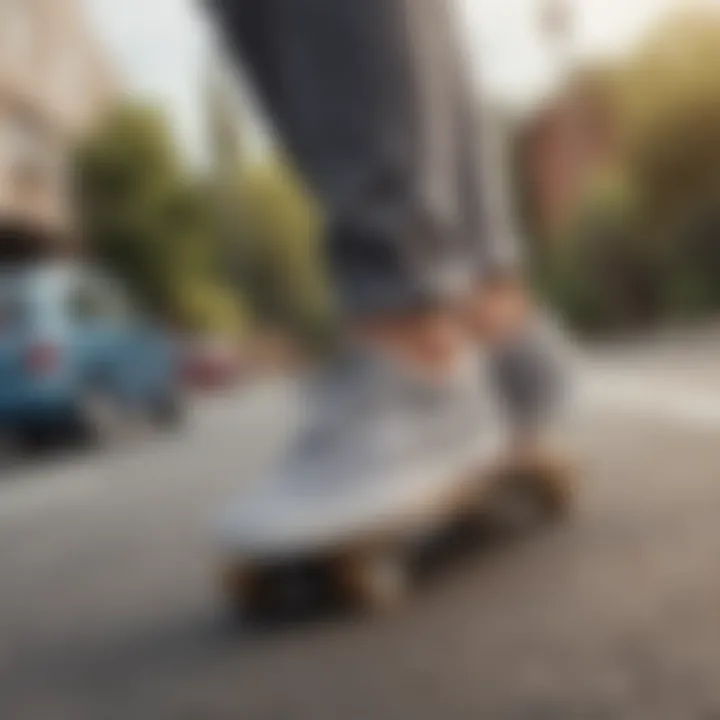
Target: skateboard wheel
x,y
241,592
378,582
528,493
551,480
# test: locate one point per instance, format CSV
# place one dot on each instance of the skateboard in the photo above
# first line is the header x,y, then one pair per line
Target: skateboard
x,y
276,545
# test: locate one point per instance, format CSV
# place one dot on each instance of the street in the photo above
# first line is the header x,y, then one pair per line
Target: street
x,y
108,605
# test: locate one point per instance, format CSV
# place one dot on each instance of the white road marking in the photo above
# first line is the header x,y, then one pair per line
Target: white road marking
x,y
652,397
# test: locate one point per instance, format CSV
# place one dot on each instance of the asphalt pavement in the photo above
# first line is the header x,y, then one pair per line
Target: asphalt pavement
x,y
109,609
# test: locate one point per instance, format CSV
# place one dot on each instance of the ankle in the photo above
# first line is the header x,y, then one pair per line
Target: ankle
x,y
428,342
499,311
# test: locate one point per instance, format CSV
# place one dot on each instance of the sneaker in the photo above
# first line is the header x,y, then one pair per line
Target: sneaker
x,y
382,447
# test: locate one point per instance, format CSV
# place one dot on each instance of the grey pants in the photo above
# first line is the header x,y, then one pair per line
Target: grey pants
x,y
373,100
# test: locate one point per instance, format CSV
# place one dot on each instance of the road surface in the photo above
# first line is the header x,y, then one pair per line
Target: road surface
x,y
108,606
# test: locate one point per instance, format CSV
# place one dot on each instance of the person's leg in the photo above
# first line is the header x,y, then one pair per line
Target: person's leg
x,y
374,101
362,94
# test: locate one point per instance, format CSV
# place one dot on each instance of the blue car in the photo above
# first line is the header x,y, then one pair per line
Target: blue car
x,y
75,355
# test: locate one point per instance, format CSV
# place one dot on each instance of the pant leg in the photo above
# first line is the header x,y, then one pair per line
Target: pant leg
x,y
489,218
368,97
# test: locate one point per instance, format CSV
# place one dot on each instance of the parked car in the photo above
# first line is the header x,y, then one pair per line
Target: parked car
x,y
75,355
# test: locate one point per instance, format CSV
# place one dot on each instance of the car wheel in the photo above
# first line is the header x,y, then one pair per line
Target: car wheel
x,y
533,493
32,440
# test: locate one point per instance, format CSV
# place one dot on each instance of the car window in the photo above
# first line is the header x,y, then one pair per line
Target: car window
x,y
13,313
92,301
85,303
13,306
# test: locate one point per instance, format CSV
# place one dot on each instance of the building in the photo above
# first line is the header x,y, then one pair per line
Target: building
x,y
55,82
563,146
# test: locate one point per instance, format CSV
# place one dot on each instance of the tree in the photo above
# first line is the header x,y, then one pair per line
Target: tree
x,y
275,257
670,110
665,254
146,218
671,115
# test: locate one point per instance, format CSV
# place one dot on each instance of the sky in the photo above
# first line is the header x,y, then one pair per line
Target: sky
x,y
160,46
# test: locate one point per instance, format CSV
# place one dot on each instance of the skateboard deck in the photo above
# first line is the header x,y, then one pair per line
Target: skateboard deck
x,y
361,534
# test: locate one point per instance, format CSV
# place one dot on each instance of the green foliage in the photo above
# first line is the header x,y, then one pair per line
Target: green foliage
x,y
210,255
274,257
211,308
147,219
598,275
671,112
651,252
